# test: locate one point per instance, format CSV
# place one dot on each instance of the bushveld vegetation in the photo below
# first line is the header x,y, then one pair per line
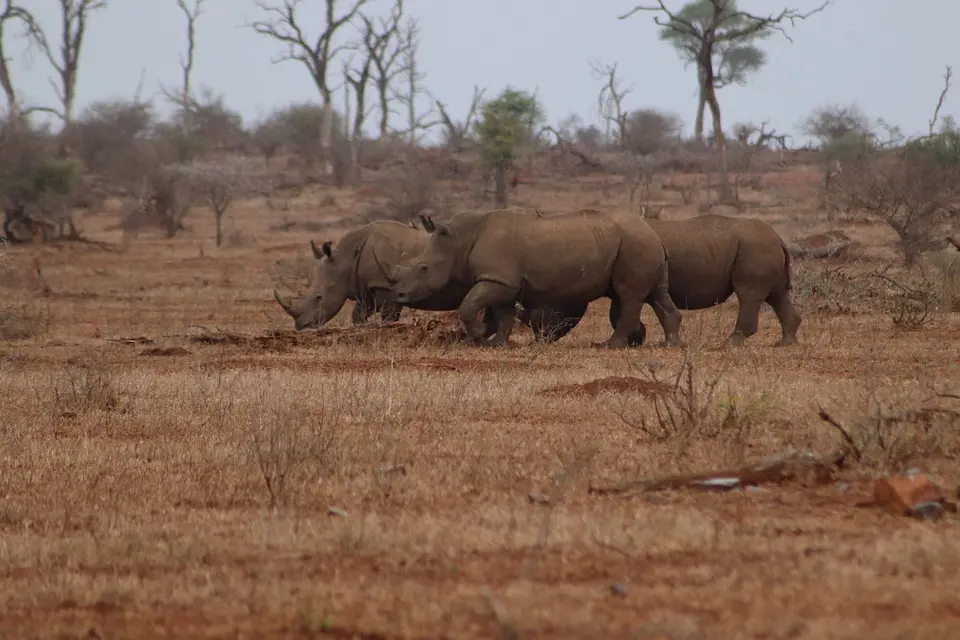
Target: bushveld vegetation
x,y
178,460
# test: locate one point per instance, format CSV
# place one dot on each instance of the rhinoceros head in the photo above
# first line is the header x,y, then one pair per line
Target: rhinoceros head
x,y
330,288
431,271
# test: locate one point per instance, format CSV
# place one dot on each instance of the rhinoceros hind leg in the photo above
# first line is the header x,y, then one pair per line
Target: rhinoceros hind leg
x,y
787,314
748,319
625,321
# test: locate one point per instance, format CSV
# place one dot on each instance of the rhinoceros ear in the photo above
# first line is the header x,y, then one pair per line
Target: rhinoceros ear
x,y
316,250
326,248
427,223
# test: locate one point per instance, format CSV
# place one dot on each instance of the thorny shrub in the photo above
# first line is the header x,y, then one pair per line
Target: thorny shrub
x,y
889,437
82,387
690,403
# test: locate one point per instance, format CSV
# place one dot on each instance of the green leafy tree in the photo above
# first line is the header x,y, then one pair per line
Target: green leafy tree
x,y
719,36
507,125
736,54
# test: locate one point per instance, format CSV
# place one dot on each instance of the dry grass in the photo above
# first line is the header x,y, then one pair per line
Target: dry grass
x,y
161,477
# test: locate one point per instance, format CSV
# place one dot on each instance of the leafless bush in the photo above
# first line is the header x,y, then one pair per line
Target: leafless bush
x,y
284,439
163,202
82,387
891,439
912,189
296,130
411,190
114,140
649,131
207,126
689,403
216,185
23,321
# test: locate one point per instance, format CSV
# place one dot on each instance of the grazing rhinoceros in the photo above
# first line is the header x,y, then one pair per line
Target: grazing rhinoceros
x,y
544,263
711,257
356,268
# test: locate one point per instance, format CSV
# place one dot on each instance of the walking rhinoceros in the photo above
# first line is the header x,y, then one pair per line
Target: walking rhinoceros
x,y
711,257
544,263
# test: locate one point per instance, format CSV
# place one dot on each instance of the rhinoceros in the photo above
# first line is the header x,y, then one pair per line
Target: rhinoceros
x,y
711,257
544,264
357,268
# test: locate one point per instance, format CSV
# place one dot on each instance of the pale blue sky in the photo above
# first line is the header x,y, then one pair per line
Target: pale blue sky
x,y
876,53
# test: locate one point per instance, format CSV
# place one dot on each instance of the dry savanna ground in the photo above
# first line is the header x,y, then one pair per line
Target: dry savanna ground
x,y
176,461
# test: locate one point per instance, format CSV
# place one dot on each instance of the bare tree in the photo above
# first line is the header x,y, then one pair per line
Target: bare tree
x,y
385,47
315,54
412,79
704,39
610,100
184,97
73,15
357,79
457,131
217,185
33,32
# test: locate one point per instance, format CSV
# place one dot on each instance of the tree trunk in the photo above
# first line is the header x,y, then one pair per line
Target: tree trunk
x,y
500,184
383,90
698,123
326,133
724,190
7,83
218,216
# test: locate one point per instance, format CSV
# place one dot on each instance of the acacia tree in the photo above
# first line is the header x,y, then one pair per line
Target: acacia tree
x,y
74,15
507,125
708,30
316,54
14,13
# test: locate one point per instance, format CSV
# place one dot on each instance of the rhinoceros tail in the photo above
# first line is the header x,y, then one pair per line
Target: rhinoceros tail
x,y
788,263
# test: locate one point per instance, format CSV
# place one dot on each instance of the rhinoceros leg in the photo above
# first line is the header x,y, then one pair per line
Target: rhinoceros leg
x,y
549,325
636,338
389,310
748,319
627,318
362,310
787,314
487,294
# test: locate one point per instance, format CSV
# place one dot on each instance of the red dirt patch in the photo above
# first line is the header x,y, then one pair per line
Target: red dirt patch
x,y
410,334
610,384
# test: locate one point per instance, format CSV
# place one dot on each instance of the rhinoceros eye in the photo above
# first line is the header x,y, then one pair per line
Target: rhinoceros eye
x,y
422,268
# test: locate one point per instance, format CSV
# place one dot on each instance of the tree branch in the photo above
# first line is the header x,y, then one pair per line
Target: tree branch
x,y
943,96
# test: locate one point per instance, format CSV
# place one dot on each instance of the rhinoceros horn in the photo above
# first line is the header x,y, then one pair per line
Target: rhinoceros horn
x,y
283,303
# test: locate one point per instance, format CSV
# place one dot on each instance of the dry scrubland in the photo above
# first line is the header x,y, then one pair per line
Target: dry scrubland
x,y
171,450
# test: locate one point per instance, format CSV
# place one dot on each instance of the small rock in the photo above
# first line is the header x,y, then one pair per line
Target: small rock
x,y
755,489
901,494
843,486
337,511
535,497
618,589
927,510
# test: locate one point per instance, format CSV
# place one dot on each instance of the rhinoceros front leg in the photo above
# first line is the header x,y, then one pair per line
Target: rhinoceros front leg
x,y
487,294
389,310
362,309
